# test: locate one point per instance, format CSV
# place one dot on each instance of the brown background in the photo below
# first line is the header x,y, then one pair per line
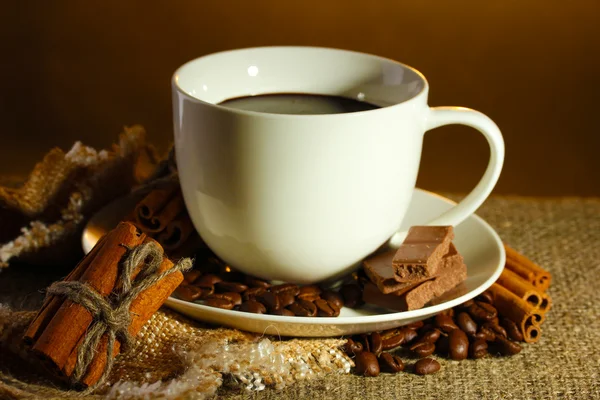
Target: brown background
x,y
79,70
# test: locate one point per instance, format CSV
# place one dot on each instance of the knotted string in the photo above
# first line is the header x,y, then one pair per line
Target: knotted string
x,y
111,316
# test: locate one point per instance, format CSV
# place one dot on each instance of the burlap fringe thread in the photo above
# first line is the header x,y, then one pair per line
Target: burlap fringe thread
x,y
173,357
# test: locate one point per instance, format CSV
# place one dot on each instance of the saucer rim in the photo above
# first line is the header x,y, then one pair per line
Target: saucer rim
x,y
375,318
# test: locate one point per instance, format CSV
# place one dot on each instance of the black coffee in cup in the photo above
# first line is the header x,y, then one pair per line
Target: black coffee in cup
x,y
298,103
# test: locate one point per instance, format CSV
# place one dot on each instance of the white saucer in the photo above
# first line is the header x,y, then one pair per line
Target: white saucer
x,y
475,240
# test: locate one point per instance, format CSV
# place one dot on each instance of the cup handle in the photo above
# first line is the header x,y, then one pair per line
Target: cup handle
x,y
439,116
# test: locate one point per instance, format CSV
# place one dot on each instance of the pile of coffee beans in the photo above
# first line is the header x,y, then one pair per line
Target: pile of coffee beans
x,y
470,330
222,288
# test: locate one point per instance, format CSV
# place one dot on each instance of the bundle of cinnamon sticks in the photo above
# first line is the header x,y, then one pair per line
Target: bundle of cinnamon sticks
x,y
520,294
60,327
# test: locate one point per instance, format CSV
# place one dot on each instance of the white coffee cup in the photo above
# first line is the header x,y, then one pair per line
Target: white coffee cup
x,y
304,198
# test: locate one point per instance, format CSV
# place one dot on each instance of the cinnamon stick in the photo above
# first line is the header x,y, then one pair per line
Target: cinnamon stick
x,y
546,303
159,207
176,232
527,269
513,307
520,287
52,304
142,308
61,334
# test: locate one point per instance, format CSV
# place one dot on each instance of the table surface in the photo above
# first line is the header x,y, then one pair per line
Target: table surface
x,y
561,234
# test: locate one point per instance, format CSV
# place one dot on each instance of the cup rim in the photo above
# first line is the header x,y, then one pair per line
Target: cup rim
x,y
175,84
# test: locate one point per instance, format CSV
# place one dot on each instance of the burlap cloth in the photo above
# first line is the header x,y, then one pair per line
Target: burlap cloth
x,y
563,235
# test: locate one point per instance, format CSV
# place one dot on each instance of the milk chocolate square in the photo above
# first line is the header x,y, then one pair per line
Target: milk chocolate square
x,y
452,272
380,271
419,256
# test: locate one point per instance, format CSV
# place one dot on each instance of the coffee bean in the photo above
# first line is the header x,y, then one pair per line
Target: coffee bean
x,y
482,311
253,292
449,312
486,297
298,310
303,308
497,329
208,279
352,348
478,349
309,292
506,347
366,364
375,343
324,309
391,341
466,304
253,306
432,336
255,282
409,335
512,330
458,345
426,366
233,297
286,287
230,287
270,300
495,320
423,348
466,323
283,311
188,292
415,325
333,298
445,323
205,288
390,332
390,363
219,303
352,295
191,276
286,298
485,334
308,305
309,297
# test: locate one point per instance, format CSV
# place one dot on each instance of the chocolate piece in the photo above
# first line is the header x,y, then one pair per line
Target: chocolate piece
x,y
419,256
380,271
453,273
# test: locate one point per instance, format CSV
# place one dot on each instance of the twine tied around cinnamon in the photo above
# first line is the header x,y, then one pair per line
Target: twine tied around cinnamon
x,y
111,315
